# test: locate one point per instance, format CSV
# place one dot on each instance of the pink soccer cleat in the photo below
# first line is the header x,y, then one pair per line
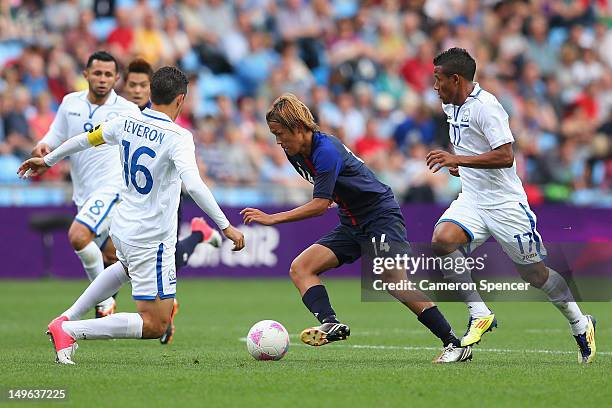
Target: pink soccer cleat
x,y
64,344
211,235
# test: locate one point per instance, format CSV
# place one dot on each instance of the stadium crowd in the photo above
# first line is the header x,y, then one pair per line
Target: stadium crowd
x,y
365,69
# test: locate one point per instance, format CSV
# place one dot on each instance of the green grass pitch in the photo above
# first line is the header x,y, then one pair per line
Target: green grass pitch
x,y
530,360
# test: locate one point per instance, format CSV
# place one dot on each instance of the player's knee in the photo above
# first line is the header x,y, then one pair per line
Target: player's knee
x,y
535,274
443,242
109,259
297,270
109,255
79,236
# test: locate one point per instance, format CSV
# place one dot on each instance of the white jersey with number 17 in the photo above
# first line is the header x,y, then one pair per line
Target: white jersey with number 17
x,y
155,152
479,126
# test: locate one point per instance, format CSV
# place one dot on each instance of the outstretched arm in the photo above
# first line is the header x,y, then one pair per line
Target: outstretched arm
x,y
311,209
37,165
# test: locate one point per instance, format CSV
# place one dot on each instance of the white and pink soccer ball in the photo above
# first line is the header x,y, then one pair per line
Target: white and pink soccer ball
x,y
268,340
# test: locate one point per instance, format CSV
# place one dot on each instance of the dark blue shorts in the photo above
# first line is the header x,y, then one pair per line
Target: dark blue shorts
x,y
349,243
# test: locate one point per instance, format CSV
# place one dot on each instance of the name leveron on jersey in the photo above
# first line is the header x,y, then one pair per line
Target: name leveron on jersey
x,y
141,130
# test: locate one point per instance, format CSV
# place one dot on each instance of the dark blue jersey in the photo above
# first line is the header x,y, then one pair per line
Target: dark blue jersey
x,y
338,175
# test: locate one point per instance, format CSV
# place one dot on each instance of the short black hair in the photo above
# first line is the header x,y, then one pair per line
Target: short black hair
x,y
102,56
140,66
456,61
166,84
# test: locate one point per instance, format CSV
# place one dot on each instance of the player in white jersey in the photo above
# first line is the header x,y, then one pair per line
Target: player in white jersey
x,y
492,201
96,175
157,155
137,89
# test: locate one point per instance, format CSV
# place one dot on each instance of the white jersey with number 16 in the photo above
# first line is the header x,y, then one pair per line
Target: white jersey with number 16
x,y
155,152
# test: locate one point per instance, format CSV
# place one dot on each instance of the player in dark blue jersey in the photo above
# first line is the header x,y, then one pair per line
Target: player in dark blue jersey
x,y
368,211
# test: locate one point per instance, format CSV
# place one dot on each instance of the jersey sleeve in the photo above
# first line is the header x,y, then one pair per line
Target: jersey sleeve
x,y
327,162
107,132
58,131
493,121
182,154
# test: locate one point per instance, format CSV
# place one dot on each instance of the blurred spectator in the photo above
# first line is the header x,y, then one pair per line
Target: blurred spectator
x,y
370,143
298,23
16,126
276,169
257,65
352,121
41,120
417,70
121,38
148,40
175,41
539,49
33,77
239,160
81,34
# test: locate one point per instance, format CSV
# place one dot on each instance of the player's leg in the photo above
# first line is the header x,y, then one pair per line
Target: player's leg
x,y
153,287
304,272
109,252
87,232
81,238
201,232
392,227
330,251
458,230
515,229
107,283
155,316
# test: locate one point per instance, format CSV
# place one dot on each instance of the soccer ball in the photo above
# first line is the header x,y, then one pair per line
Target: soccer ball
x,y
268,340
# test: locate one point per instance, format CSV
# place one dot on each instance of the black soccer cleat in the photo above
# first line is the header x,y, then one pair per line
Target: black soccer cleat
x,y
168,335
325,333
103,311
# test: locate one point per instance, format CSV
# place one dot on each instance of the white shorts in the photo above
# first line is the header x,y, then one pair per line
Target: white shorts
x,y
152,270
96,213
514,228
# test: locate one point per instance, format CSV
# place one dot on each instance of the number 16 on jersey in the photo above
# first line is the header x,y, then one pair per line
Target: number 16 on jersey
x,y
131,167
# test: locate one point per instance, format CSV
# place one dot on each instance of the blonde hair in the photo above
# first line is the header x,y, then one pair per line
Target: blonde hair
x,y
291,113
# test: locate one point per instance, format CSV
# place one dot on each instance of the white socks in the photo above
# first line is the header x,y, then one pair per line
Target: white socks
x,y
105,285
93,263
91,258
560,295
115,326
471,298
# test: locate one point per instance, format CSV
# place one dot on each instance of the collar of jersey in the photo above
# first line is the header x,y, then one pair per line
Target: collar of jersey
x,y
150,113
476,90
